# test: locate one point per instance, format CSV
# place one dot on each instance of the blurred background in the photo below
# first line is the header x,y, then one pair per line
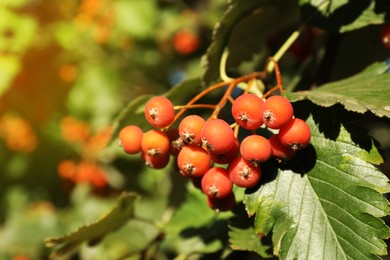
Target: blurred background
x,y
67,67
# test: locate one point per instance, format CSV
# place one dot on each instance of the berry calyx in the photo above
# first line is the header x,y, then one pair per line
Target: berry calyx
x,y
190,129
246,111
155,143
295,135
255,149
244,174
217,136
193,161
279,151
159,112
276,112
130,138
216,183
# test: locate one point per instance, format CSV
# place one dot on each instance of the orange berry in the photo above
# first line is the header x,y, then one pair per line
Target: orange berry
x,y
255,149
193,161
217,136
155,143
159,112
280,151
190,129
276,111
246,111
216,183
243,173
295,135
130,138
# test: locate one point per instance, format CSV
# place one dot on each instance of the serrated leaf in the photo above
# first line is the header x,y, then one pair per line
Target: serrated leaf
x,y
133,113
235,12
363,92
92,233
333,203
341,15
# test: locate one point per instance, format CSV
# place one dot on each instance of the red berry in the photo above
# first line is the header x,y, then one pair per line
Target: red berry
x,y
280,151
216,183
130,138
193,161
295,135
385,35
217,136
224,204
155,143
159,112
197,182
277,111
228,156
156,162
246,111
185,42
190,129
244,174
255,149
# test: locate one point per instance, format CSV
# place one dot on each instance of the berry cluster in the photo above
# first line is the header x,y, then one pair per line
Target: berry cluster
x,y
208,151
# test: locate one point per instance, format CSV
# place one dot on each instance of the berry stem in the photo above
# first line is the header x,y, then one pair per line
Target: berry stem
x,y
194,106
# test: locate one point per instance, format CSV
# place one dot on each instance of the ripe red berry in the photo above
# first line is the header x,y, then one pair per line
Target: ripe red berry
x,y
130,138
193,161
244,174
155,162
255,149
295,135
217,136
190,129
224,204
246,111
185,42
385,35
280,151
277,111
159,112
216,183
227,157
155,143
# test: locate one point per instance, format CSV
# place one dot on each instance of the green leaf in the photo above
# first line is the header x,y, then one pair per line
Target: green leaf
x,y
195,228
92,233
133,113
236,11
341,15
325,204
243,237
363,92
247,42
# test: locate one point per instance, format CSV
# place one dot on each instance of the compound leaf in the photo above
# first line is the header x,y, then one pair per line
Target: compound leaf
x,y
326,204
93,233
366,91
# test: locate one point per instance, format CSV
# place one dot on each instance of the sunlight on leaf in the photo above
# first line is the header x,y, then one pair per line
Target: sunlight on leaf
x,y
331,199
366,91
